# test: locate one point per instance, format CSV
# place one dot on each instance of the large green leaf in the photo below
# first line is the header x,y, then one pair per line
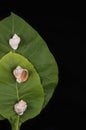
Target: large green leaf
x,y
11,92
34,48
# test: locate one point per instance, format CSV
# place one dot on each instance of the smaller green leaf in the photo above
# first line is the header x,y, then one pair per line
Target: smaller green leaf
x,y
11,92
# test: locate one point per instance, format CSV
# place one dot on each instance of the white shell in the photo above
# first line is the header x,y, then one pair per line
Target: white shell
x,y
20,107
20,74
14,41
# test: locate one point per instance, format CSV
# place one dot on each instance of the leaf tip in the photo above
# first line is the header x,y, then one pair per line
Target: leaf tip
x,y
12,13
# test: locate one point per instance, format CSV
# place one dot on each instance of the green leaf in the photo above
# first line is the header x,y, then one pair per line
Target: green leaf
x,y
34,48
11,92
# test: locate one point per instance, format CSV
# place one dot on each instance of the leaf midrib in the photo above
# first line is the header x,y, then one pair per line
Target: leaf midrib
x,y
17,93
12,24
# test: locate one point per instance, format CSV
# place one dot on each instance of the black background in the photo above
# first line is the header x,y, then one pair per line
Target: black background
x,y
66,39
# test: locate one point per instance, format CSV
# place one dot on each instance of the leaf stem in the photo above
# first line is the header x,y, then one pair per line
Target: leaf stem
x,y
16,125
